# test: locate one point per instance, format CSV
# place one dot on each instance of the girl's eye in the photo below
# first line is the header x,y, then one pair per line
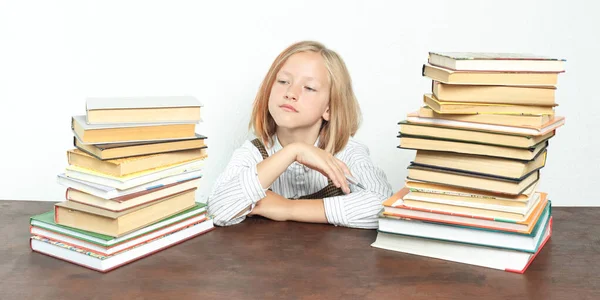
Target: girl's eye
x,y
310,89
282,81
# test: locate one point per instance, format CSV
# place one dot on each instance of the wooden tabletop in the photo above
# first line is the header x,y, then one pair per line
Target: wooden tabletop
x,y
262,259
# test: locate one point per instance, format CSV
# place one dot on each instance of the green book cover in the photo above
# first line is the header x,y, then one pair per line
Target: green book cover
x,y
46,221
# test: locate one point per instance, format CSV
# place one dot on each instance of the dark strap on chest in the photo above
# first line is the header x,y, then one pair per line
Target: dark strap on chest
x,y
328,191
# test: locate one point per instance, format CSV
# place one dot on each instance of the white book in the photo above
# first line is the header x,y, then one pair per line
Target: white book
x,y
490,257
488,61
469,235
107,263
133,180
109,192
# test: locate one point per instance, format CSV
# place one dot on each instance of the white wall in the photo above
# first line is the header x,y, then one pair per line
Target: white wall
x,y
53,54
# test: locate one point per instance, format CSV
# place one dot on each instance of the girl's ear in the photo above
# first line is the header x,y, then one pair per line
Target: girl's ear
x,y
326,114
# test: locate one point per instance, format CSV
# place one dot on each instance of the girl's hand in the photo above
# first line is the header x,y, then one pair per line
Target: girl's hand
x,y
273,206
323,162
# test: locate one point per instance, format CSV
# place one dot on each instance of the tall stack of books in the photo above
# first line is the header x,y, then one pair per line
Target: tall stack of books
x,y
481,139
131,180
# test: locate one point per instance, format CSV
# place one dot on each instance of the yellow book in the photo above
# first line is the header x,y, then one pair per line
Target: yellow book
x,y
484,108
125,166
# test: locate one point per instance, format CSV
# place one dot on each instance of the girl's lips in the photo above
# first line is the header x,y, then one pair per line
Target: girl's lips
x,y
288,107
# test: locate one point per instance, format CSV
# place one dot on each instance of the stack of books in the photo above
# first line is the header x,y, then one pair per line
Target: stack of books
x,y
481,139
130,183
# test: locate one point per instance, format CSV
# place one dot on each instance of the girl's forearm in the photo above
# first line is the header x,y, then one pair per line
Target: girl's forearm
x,y
271,168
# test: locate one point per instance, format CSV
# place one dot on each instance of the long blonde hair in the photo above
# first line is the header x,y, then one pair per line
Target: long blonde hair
x,y
344,110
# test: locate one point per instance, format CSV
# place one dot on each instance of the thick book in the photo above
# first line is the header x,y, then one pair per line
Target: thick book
x,y
135,132
473,135
109,192
514,207
112,250
394,208
129,149
514,123
438,144
126,166
488,183
121,110
489,77
46,223
103,263
440,190
496,61
480,164
502,94
469,108
490,257
97,220
526,242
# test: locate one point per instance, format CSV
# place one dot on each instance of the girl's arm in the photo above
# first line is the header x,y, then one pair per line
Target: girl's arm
x,y
244,182
359,209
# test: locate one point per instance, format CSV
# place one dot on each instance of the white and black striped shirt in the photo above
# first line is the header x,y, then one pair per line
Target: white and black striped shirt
x,y
238,187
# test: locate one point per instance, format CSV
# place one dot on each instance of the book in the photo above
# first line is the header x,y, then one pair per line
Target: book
x,y
108,192
488,61
126,166
489,77
121,110
555,123
134,179
472,135
516,122
513,207
123,150
119,133
521,95
394,207
526,242
101,263
469,108
441,190
435,144
45,222
490,257
487,183
480,164
123,246
133,200
89,218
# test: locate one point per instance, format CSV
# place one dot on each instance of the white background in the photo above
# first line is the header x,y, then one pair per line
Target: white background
x,y
53,54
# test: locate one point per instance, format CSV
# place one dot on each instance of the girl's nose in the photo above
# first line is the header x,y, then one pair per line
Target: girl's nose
x,y
290,95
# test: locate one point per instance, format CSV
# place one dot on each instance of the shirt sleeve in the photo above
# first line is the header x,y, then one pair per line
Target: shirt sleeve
x,y
360,208
237,189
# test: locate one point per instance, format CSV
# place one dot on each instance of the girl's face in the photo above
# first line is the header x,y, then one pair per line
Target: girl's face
x,y
300,94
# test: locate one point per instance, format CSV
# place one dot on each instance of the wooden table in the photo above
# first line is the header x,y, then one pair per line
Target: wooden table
x,y
262,259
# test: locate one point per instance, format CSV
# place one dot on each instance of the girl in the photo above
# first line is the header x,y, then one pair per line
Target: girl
x,y
305,115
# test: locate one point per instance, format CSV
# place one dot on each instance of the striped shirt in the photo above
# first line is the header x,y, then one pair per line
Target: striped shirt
x,y
238,187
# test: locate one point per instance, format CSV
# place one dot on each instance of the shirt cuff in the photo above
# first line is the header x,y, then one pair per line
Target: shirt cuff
x,y
335,212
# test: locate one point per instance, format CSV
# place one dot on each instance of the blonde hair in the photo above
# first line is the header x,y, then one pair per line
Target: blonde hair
x,y
344,111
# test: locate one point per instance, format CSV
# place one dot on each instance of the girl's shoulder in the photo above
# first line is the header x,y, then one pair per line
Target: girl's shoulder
x,y
248,149
354,149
